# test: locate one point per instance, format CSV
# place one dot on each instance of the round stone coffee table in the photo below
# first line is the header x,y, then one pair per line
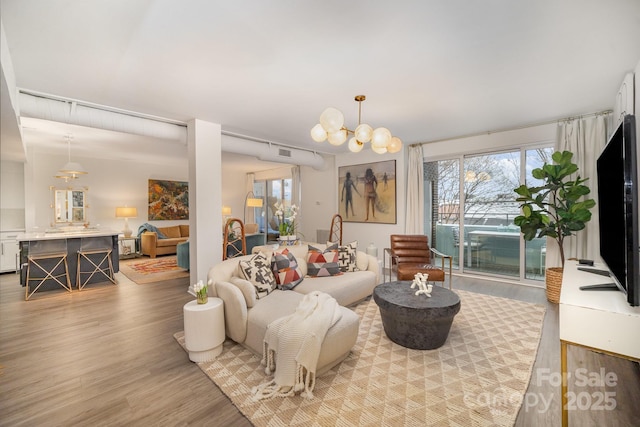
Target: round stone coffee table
x,y
416,321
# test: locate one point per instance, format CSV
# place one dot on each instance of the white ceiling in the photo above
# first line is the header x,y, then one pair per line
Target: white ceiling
x,y
430,69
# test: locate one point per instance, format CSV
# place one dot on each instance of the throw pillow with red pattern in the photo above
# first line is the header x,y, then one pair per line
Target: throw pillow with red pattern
x,y
323,263
286,270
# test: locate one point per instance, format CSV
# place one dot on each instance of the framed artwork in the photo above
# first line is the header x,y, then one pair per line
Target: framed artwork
x,y
168,200
367,192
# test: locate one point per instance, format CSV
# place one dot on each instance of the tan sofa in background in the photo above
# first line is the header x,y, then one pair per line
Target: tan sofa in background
x,y
152,245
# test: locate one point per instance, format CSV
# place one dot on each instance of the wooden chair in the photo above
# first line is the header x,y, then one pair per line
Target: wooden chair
x,y
411,254
234,244
335,233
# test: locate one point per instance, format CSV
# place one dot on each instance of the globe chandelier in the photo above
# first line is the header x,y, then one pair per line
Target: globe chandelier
x,y
331,128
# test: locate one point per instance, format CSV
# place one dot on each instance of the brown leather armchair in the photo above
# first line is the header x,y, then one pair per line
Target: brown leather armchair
x,y
410,254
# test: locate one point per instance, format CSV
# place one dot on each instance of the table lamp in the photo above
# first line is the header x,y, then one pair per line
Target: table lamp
x,y
126,213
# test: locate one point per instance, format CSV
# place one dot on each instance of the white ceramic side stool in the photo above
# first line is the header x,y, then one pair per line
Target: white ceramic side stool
x,y
204,329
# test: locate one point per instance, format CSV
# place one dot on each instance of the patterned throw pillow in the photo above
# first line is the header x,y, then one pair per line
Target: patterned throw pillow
x,y
347,256
323,263
257,270
285,269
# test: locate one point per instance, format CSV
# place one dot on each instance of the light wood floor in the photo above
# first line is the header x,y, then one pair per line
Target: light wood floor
x,y
107,356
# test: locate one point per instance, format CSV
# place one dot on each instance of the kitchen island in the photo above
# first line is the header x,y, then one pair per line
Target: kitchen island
x,y
69,241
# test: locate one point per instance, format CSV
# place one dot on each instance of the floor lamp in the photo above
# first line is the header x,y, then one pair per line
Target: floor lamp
x,y
251,201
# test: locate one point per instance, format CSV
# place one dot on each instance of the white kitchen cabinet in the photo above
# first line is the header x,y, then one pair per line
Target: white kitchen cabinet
x,y
8,251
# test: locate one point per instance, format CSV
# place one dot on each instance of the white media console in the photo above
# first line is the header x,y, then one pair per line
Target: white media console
x,y
602,321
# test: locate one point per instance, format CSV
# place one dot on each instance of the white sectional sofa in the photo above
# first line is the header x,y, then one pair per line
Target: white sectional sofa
x,y
246,318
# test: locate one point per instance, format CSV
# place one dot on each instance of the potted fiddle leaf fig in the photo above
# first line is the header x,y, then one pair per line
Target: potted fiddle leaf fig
x,y
558,208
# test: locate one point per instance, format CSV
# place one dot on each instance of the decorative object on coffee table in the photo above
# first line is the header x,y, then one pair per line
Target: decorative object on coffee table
x,y
418,323
424,288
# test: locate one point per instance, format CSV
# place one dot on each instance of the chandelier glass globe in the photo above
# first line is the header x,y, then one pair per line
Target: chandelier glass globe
x,y
379,150
395,145
380,138
332,120
338,138
363,132
318,134
355,146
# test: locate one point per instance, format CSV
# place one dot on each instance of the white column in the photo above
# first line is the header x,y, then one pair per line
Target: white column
x,y
204,141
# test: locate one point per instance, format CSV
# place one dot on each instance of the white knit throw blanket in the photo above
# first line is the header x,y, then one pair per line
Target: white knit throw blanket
x,y
292,345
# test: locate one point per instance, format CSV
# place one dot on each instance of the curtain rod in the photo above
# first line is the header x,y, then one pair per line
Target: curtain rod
x,y
548,122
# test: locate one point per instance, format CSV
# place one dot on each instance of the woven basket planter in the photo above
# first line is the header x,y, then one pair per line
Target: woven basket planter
x,y
553,280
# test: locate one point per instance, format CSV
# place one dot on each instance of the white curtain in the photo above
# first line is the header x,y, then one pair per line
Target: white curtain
x,y
585,138
414,215
295,193
295,186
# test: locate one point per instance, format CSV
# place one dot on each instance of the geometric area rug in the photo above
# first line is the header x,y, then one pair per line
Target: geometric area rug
x,y
477,378
152,269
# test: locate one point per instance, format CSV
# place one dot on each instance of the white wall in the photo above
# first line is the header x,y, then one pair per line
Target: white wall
x,y
490,141
11,196
111,184
234,190
318,198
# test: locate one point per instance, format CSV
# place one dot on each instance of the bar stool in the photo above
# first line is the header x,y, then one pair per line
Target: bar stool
x,y
42,255
97,253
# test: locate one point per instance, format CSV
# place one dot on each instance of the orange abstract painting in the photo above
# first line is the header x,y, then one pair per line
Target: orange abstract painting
x,y
168,200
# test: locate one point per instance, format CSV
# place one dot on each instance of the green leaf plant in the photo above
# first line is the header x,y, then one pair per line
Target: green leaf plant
x,y
558,208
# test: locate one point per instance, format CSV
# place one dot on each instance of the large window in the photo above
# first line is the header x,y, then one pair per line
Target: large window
x,y
471,205
276,191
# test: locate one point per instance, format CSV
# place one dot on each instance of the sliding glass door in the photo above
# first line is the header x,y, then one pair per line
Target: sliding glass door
x,y
471,205
442,205
276,191
491,238
536,249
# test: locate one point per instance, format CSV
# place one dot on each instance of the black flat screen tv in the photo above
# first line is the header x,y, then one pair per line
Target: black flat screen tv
x,y
618,193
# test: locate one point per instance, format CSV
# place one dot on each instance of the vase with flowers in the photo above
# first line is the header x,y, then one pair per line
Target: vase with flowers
x,y
201,292
287,223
